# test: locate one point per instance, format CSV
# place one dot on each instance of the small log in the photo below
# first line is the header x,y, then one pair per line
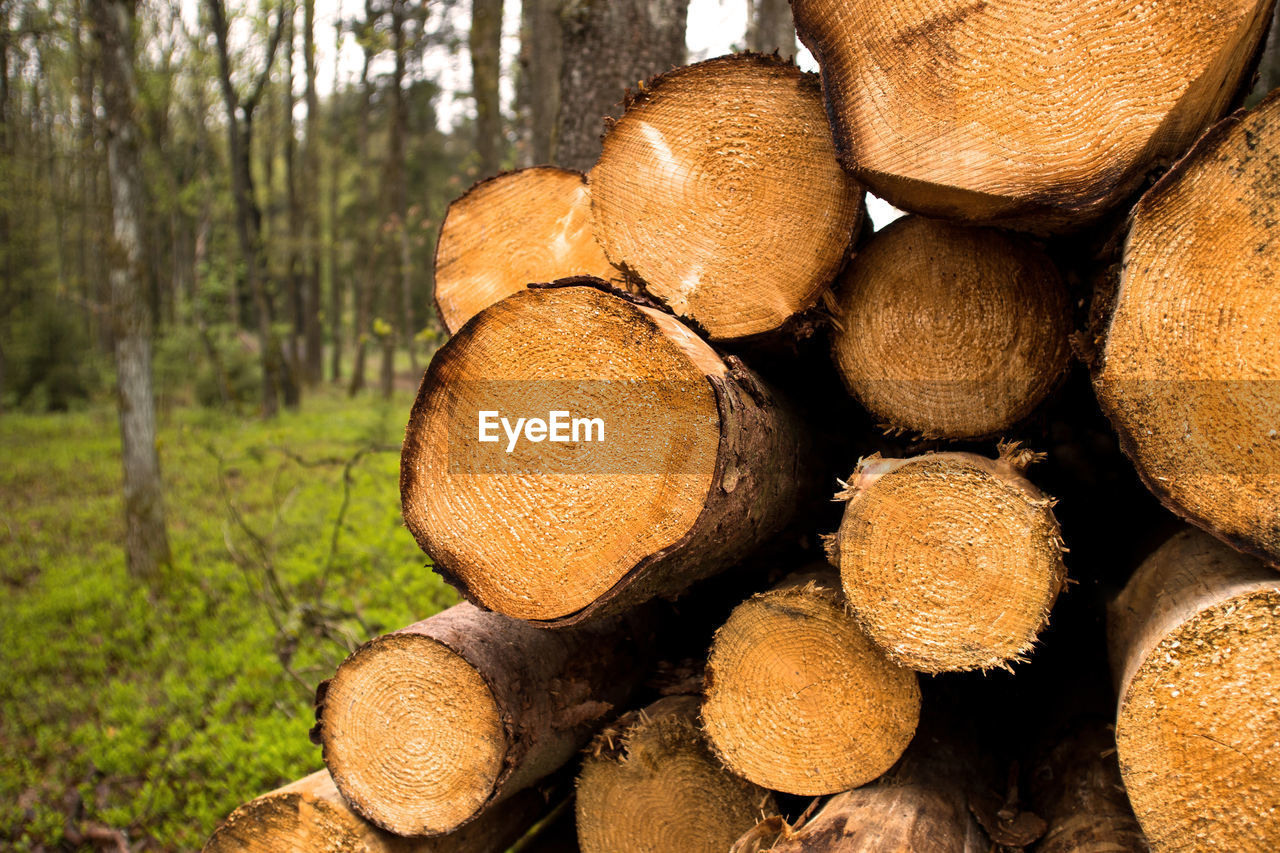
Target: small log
x,y
951,332
1036,115
719,189
650,784
426,727
799,700
1077,789
1190,349
950,561
1195,643
697,462
310,815
509,230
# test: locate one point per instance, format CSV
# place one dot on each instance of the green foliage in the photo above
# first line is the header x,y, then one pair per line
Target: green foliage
x,y
160,710
50,365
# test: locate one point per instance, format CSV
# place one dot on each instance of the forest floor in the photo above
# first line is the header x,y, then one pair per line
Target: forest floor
x,y
154,707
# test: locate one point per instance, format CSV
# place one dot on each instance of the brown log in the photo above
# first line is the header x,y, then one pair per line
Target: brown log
x,y
719,189
951,332
310,816
1195,644
697,463
799,700
950,561
1038,114
1077,789
650,784
1191,347
921,806
510,230
426,727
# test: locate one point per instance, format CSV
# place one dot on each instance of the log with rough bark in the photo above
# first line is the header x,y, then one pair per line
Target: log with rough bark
x,y
533,225
920,806
310,816
1037,114
644,460
799,700
426,727
1077,789
719,189
949,331
1195,644
950,561
651,783
1190,349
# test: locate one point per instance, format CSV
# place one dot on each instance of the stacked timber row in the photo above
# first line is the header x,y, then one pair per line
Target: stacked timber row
x,y
599,433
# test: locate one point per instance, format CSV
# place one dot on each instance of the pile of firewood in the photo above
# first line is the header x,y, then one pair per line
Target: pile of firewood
x,y
1000,634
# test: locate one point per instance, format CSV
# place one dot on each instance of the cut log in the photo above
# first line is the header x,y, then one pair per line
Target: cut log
x,y
650,784
799,700
1078,791
1035,114
719,189
1191,351
310,816
921,806
1195,642
426,727
691,464
951,332
950,561
533,225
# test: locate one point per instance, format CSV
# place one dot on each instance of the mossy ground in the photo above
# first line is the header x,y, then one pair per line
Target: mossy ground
x,y
155,707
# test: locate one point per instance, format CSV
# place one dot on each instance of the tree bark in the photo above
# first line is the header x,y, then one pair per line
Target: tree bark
x,y
610,46
770,28
312,303
337,282
310,814
486,70
365,275
399,206
498,705
540,63
146,539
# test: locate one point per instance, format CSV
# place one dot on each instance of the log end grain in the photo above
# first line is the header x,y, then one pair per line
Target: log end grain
x,y
306,815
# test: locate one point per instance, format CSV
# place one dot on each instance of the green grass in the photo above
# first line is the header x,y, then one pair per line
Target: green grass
x,y
157,708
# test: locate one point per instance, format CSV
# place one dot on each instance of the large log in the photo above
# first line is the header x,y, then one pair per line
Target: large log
x,y
650,784
694,464
1038,114
508,231
951,332
426,727
799,700
950,561
719,189
1195,641
310,816
1190,351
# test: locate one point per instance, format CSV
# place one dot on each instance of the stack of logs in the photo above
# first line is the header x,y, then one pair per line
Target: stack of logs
x,y
660,374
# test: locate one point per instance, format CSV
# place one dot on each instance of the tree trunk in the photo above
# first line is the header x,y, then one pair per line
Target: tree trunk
x,y
337,282
685,236
1078,791
609,46
770,28
977,140
951,332
950,561
505,232
293,228
364,277
540,64
146,540
650,784
486,70
716,465
1188,356
497,705
310,814
312,329
777,713
1194,639
399,206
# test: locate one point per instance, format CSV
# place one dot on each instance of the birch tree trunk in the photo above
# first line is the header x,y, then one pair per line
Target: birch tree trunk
x,y
146,540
